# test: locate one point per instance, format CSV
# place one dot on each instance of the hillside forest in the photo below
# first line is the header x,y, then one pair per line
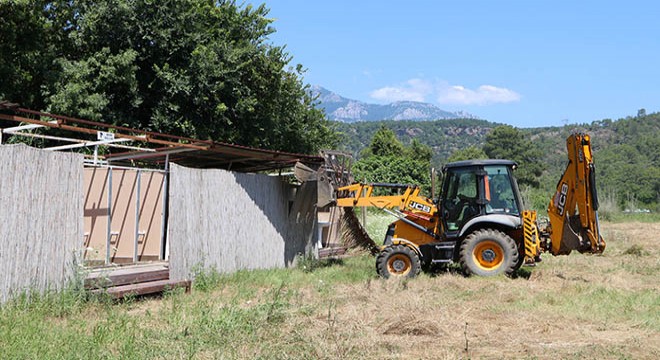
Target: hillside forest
x,y
627,153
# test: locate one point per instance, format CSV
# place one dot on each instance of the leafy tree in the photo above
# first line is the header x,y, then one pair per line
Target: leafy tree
x,y
626,151
507,142
32,35
419,151
387,160
384,143
393,169
630,173
196,68
442,136
469,153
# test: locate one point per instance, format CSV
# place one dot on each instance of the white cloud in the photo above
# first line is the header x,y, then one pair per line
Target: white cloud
x,y
412,90
483,95
444,93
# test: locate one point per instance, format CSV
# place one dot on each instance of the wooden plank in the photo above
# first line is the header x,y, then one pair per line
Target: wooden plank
x,y
124,278
151,287
331,251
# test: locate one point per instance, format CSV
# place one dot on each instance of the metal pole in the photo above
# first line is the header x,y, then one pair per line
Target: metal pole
x,y
433,183
96,154
364,210
107,244
137,217
163,221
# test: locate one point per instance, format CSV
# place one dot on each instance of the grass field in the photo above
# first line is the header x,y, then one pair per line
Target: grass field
x,y
574,307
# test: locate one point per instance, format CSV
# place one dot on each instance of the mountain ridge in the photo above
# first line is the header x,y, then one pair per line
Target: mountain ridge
x,y
339,108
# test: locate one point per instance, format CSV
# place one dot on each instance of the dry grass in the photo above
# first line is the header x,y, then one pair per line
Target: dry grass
x,y
575,307
571,307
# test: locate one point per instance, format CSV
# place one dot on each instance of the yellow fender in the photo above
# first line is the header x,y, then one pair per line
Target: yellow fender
x,y
408,243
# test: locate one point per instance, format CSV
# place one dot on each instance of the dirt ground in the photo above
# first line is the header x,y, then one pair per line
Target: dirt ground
x,y
574,306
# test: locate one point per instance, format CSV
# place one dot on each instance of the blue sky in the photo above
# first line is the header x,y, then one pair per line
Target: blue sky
x,y
524,63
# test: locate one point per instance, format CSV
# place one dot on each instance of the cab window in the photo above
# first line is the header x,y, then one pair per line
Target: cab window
x,y
461,201
500,195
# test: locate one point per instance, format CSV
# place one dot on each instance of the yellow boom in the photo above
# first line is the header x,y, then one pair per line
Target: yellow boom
x,y
573,210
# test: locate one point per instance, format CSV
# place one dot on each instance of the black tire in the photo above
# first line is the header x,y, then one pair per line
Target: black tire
x,y
398,261
489,252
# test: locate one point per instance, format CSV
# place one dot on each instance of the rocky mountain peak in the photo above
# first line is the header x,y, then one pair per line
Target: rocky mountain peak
x,y
344,109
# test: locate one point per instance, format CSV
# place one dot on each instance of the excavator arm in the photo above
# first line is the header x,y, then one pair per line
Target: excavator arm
x,y
409,200
573,210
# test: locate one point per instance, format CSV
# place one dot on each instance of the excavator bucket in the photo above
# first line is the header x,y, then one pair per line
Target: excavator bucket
x,y
573,211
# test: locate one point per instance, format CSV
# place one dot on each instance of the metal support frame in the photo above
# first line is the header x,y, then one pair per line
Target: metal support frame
x,y
137,216
16,129
109,238
72,140
154,153
86,144
138,204
164,248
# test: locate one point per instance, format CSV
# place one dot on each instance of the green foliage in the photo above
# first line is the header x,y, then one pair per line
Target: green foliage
x,y
196,68
419,151
626,151
442,136
634,174
33,34
387,160
469,153
507,142
385,143
393,169
206,279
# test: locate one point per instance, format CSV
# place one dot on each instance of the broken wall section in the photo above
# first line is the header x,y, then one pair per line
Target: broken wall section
x,y
41,219
231,221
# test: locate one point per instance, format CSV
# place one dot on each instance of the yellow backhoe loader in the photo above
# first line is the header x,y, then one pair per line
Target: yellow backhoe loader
x,y
478,220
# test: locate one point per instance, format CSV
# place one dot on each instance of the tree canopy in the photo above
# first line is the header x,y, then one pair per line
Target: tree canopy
x,y
196,68
507,142
472,152
387,160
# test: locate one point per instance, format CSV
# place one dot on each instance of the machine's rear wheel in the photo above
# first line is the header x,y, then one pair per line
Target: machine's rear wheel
x,y
398,261
489,252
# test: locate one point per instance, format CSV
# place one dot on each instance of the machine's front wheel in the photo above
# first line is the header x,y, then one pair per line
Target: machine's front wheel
x,y
398,261
489,252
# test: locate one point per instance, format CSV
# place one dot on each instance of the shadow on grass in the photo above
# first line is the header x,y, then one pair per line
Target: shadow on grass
x,y
309,264
439,270
455,269
523,272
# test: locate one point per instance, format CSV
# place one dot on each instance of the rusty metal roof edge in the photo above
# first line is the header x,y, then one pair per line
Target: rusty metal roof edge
x,y
213,144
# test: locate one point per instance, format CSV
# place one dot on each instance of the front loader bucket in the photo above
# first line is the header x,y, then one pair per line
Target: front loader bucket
x,y
325,190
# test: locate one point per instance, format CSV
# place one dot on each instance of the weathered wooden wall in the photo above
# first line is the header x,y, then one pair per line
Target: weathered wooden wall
x,y
41,218
231,221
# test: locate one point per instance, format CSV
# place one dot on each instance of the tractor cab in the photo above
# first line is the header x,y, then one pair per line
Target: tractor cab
x,y
475,191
